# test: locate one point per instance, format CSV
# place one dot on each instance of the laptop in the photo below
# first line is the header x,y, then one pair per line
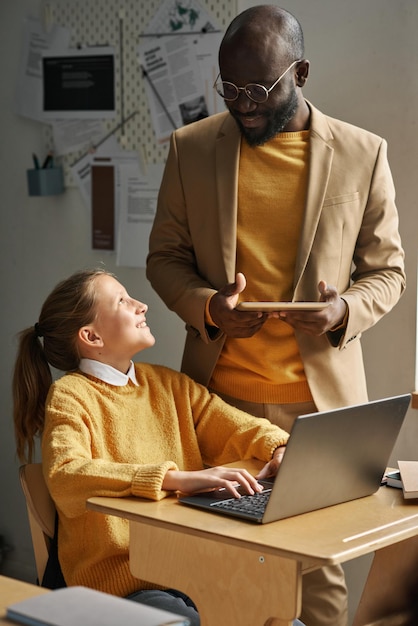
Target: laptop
x,y
331,457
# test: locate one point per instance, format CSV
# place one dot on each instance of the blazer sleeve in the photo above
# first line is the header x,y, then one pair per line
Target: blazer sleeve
x,y
378,278
173,267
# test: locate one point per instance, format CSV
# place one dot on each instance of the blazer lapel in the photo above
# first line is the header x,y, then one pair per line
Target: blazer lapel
x,y
227,152
320,160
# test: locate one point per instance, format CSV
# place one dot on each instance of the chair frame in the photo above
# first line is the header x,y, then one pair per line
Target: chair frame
x,y
41,513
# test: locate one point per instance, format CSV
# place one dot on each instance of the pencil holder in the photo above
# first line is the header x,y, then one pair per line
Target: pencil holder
x,y
48,181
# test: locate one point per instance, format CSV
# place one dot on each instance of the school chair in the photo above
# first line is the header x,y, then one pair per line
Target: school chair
x,y
41,513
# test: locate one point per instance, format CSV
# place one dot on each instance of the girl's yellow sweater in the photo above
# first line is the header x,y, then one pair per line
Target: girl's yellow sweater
x,y
104,440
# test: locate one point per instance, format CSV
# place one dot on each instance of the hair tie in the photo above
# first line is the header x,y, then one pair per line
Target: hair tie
x,y
38,331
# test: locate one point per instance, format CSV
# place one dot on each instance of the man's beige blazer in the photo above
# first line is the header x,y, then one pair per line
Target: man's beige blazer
x,y
349,238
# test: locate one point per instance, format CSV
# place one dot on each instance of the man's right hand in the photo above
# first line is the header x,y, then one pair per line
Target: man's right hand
x,y
234,323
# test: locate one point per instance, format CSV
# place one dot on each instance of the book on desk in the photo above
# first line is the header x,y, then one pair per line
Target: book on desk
x,y
393,479
405,478
87,607
409,477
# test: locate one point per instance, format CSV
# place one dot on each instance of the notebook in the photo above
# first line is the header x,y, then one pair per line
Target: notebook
x,y
81,606
331,457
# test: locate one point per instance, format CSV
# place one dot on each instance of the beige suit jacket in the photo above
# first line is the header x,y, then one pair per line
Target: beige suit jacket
x,y
349,238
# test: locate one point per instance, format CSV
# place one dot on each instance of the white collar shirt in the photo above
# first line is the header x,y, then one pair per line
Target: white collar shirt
x,y
107,373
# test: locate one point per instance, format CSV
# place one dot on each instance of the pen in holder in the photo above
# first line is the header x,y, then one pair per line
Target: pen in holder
x,y
47,180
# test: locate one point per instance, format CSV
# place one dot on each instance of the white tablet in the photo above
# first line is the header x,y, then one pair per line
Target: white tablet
x,y
282,306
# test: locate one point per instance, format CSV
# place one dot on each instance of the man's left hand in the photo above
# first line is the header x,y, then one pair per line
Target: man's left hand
x,y
318,322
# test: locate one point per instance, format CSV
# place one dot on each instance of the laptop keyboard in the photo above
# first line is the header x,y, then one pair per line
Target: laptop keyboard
x,y
255,504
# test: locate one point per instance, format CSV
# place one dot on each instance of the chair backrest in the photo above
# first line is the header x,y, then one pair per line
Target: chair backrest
x,y
41,513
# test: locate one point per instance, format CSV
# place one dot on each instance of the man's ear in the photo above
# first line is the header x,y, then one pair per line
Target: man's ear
x,y
89,338
302,73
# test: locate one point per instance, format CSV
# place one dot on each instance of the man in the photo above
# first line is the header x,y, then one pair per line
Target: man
x,y
272,200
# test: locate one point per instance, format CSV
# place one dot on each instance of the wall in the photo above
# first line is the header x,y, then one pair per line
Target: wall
x,y
42,240
362,71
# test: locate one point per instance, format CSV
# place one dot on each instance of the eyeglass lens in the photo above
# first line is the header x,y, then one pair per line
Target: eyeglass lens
x,y
229,91
258,93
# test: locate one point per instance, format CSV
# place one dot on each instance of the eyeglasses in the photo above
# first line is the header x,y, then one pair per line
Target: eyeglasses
x,y
255,92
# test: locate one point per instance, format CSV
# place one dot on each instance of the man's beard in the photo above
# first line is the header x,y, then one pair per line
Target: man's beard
x,y
277,120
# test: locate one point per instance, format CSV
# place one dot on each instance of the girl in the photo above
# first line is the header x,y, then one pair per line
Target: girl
x,y
110,427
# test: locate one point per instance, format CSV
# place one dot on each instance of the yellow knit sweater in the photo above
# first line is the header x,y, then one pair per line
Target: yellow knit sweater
x,y
267,367
104,440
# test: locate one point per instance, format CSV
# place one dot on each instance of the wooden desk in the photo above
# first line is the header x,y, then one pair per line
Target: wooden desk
x,y
250,574
11,591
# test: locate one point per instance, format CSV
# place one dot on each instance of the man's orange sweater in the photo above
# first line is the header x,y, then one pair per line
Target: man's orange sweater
x,y
267,367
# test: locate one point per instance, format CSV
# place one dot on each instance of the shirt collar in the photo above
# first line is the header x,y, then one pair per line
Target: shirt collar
x,y
107,373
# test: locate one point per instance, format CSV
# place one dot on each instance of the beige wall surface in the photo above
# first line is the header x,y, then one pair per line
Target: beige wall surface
x,y
362,57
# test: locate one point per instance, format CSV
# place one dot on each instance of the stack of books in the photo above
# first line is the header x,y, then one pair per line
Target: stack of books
x,y
405,478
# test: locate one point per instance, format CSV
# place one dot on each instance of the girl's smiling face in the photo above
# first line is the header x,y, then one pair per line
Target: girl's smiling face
x,y
120,329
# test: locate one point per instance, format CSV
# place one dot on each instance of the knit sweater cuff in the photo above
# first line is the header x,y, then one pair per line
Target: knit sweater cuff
x,y
281,444
148,481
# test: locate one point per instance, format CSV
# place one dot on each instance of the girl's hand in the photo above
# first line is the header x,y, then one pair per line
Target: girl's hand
x,y
228,478
272,467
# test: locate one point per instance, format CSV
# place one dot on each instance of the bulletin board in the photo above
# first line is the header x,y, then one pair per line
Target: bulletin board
x,y
120,24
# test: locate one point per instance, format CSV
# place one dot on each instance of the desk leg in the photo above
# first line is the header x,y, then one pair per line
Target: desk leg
x,y
390,594
230,584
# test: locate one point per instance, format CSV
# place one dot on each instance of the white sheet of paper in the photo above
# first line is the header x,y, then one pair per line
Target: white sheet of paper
x,y
35,41
137,207
206,47
175,17
173,84
181,67
73,135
